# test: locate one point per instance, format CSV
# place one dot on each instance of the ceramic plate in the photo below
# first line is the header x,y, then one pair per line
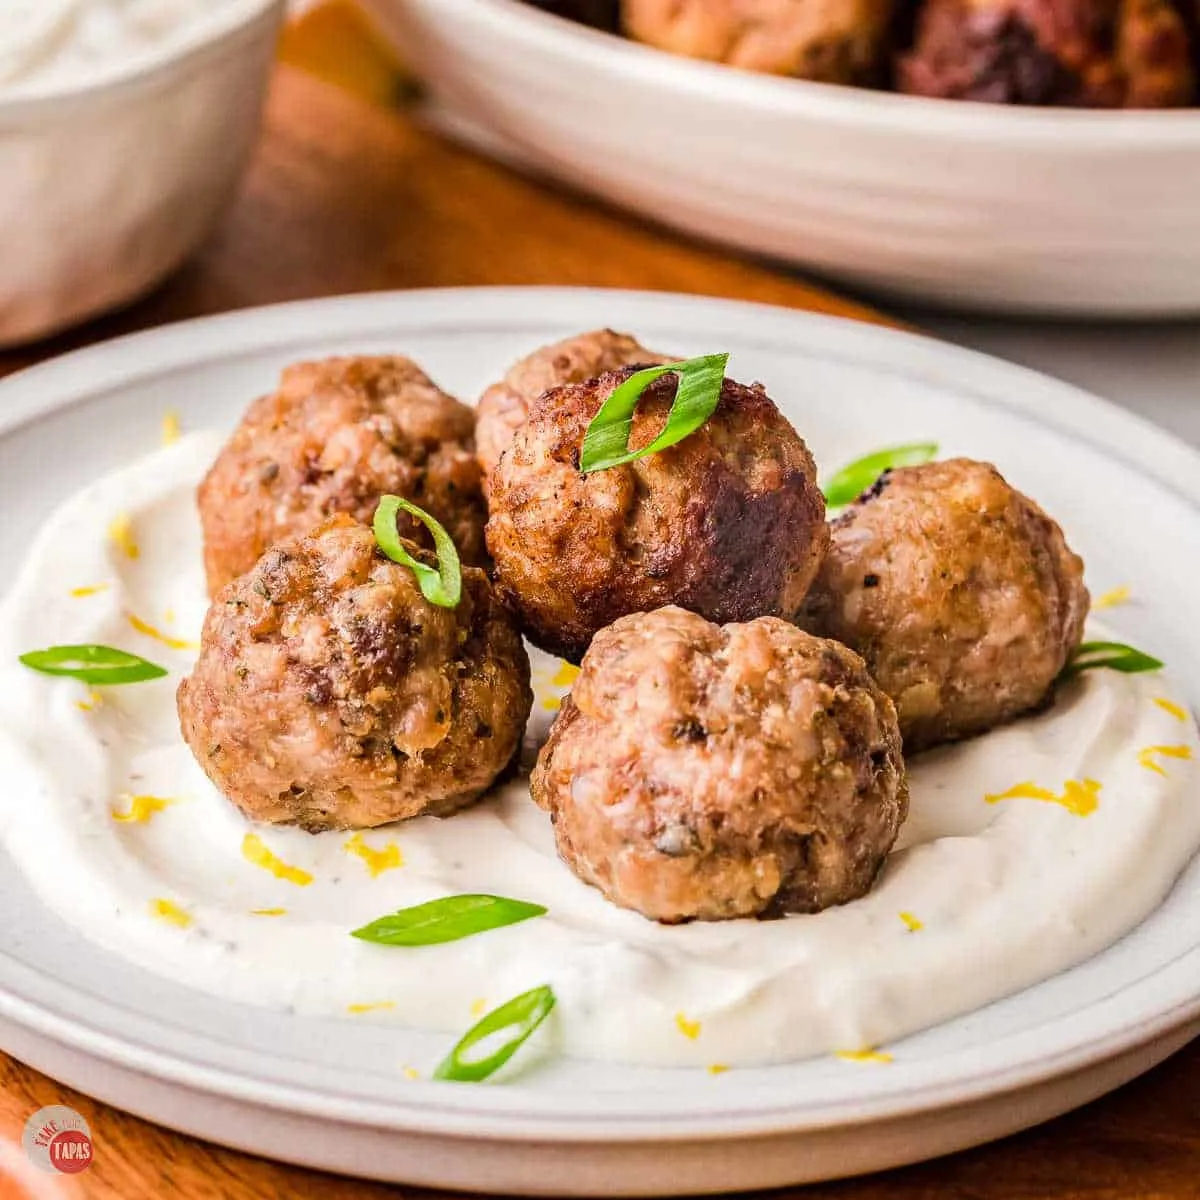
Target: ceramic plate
x,y
330,1093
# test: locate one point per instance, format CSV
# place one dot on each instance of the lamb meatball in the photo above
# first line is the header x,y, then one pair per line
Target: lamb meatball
x,y
335,437
958,591
331,694
728,522
701,772
505,405
834,41
1096,53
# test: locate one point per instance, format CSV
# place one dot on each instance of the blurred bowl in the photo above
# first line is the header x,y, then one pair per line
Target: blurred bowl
x,y
971,206
106,187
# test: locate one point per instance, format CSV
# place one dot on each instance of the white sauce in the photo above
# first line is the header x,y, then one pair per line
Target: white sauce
x,y
1005,893
46,44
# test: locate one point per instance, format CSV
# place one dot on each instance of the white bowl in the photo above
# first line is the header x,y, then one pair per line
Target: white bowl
x,y
968,205
107,187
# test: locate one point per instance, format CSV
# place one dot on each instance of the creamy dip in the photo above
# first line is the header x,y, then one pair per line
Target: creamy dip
x,y
54,43
1027,850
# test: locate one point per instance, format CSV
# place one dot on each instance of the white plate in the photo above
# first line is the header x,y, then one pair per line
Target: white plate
x,y
329,1093
983,206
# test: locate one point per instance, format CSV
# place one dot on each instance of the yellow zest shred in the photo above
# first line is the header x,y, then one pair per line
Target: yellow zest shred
x,y
411,1073
268,912
172,643
377,861
552,703
914,926
1169,706
1118,596
1146,757
90,702
378,1006
141,808
254,850
689,1029
869,1055
120,533
717,1069
82,593
1079,797
172,427
478,1007
169,911
566,675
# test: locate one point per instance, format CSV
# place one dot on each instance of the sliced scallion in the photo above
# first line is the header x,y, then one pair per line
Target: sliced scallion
x,y
97,666
522,1015
447,920
441,585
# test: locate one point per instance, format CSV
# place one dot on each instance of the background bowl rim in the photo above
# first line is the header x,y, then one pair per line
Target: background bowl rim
x,y
598,51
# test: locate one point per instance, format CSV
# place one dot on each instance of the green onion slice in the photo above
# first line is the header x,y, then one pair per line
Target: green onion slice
x,y
606,442
441,586
852,480
522,1014
99,666
447,920
1116,656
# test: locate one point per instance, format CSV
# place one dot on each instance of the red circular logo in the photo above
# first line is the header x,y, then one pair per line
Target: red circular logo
x,y
58,1139
70,1151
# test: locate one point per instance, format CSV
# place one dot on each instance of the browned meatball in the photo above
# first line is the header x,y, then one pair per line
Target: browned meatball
x,y
335,437
834,41
331,694
505,405
705,772
728,523
959,592
1098,53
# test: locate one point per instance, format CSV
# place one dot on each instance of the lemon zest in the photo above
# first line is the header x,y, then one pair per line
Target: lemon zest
x,y
1146,756
1079,797
172,643
377,861
1112,599
689,1029
172,427
552,703
141,809
90,702
169,911
120,533
82,593
566,675
717,1069
478,1007
914,925
411,1073
254,850
1169,706
869,1055
268,912
377,1006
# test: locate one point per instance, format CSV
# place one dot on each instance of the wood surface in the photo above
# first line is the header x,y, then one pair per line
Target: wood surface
x,y
346,197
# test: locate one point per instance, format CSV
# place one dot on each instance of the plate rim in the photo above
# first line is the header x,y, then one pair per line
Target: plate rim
x,y
88,374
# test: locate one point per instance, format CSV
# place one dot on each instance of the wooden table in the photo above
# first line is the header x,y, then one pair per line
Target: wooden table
x,y
344,197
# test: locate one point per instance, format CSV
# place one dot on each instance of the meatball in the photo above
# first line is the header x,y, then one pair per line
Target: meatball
x,y
834,41
728,522
505,405
701,772
335,437
1097,53
330,694
959,592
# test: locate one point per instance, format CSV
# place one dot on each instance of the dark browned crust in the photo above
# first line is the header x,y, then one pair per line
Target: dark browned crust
x,y
706,773
728,523
336,436
329,693
1092,53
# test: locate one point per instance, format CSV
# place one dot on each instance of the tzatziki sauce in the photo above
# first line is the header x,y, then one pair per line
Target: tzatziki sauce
x,y
1027,850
